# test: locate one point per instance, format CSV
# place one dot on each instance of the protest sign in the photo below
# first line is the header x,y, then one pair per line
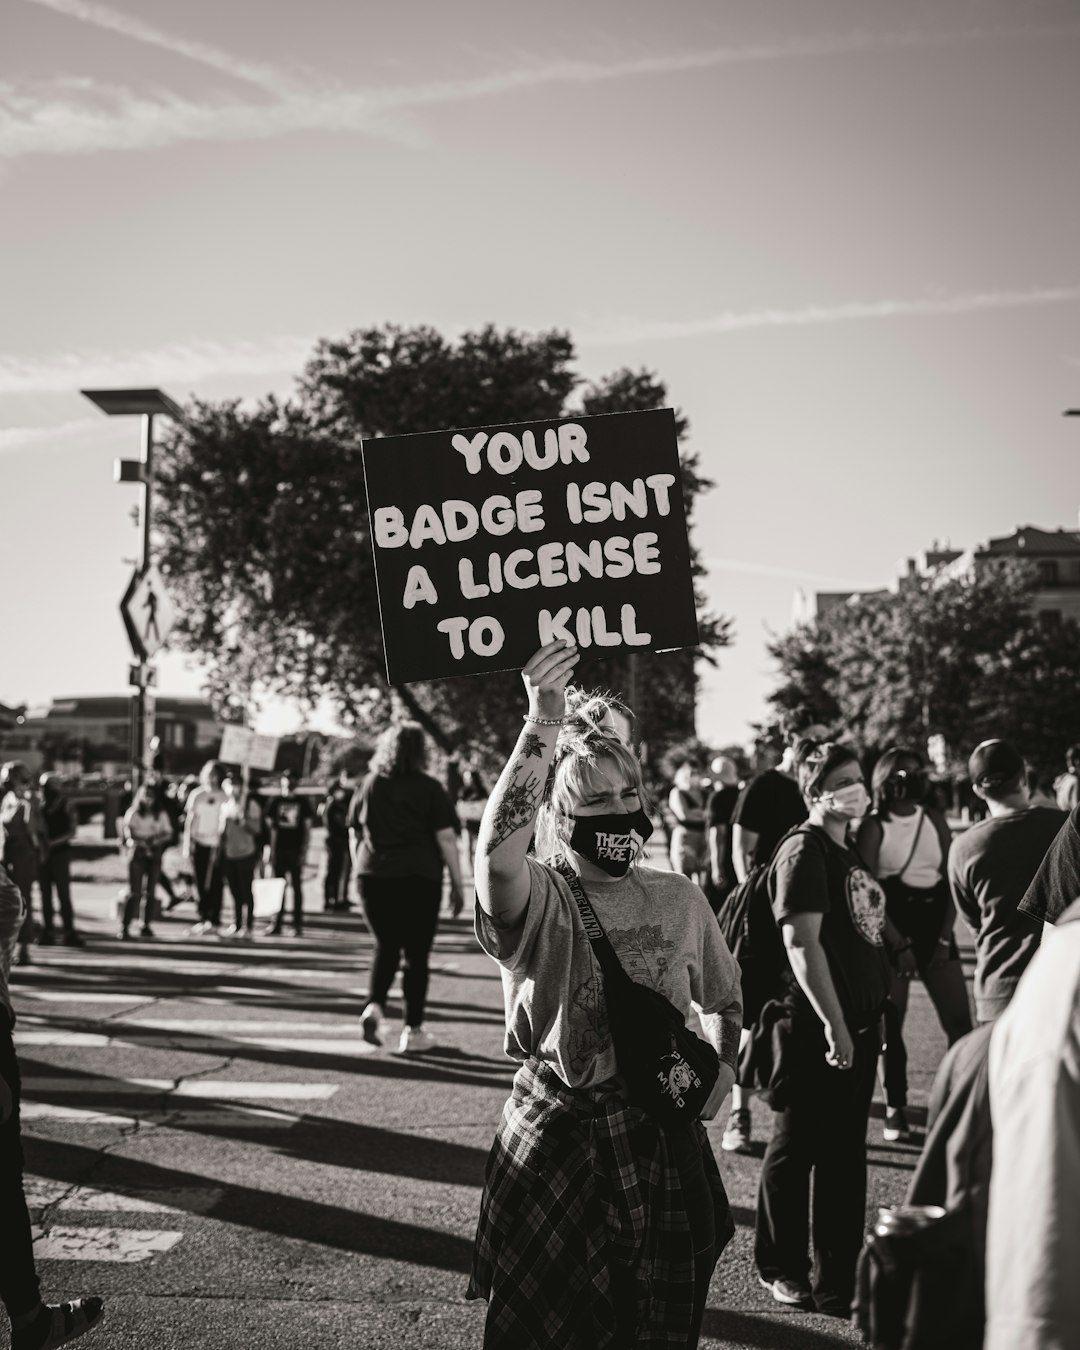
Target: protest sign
x,y
240,745
492,541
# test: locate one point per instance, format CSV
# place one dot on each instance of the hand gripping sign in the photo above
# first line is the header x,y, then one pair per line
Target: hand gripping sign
x,y
492,541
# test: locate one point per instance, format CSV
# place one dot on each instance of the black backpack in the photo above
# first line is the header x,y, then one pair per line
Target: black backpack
x,y
746,921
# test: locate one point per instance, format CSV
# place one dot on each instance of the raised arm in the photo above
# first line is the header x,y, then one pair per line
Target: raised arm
x,y
502,877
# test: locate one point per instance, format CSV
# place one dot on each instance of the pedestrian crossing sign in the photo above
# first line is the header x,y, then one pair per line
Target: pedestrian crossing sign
x,y
148,612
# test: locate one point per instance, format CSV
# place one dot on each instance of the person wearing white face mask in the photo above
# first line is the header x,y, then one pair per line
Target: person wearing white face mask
x,y
831,913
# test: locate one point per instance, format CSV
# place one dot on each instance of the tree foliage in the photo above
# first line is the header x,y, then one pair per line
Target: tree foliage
x,y
959,656
263,529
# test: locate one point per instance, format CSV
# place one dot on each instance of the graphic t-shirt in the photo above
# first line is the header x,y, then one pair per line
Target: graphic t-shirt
x,y
769,805
287,816
812,874
1057,882
991,866
664,935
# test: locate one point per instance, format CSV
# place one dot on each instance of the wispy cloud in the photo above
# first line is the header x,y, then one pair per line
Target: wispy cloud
x,y
127,25
621,331
175,368
784,573
21,438
70,117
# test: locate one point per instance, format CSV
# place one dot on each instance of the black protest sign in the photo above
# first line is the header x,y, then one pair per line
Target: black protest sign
x,y
492,541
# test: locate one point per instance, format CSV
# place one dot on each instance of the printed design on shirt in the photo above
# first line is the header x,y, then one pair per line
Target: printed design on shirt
x,y
288,817
589,1034
618,847
643,952
866,903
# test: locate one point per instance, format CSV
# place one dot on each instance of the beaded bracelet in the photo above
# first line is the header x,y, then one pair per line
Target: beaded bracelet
x,y
544,721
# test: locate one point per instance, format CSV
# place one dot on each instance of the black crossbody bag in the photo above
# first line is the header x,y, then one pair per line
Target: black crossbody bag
x,y
669,1071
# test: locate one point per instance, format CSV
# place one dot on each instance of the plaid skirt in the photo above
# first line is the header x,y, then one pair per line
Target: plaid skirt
x,y
579,1182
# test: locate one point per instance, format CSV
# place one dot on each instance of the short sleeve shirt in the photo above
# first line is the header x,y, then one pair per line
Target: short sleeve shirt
x,y
396,818
1057,882
287,817
813,875
664,935
769,805
991,866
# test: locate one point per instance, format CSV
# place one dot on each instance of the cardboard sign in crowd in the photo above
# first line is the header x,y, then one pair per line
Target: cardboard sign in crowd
x,y
492,541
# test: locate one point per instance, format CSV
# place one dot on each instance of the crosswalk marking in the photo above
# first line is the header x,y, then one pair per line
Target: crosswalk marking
x,y
221,1089
104,1244
235,1025
87,996
44,1192
232,1116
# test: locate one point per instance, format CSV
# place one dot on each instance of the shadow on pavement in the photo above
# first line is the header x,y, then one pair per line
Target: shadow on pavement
x,y
768,1331
325,1139
269,1211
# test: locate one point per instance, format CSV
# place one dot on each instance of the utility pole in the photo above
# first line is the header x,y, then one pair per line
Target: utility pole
x,y
146,593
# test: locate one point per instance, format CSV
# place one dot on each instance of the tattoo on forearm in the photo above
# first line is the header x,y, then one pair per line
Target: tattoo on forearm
x,y
730,1031
532,745
515,808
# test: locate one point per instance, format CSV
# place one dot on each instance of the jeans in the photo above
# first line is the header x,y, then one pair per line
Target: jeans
x,y
288,865
240,873
142,881
403,914
822,1132
19,1289
56,871
22,867
209,882
338,869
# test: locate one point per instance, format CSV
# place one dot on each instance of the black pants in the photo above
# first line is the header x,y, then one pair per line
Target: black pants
x,y
19,1289
240,874
403,914
338,868
209,882
142,882
822,1132
287,865
55,871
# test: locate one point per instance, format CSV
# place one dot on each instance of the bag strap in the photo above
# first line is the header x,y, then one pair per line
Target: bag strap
x,y
601,944
914,844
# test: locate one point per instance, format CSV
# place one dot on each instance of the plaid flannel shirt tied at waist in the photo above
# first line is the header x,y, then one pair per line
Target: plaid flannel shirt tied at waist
x,y
579,1181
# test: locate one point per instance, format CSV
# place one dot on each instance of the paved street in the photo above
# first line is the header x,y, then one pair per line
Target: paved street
x,y
212,1147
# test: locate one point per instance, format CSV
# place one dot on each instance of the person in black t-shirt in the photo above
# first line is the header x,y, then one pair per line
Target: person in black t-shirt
x,y
404,831
288,818
831,912
718,812
334,814
768,806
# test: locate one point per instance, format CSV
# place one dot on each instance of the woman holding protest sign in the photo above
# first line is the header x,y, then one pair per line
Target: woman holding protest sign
x,y
603,1211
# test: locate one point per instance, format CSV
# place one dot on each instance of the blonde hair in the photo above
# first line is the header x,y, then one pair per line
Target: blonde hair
x,y
588,737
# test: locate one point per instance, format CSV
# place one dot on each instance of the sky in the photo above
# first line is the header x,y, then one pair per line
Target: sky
x,y
845,233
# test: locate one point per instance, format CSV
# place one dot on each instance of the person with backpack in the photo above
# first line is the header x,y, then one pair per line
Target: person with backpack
x,y
905,842
831,914
768,806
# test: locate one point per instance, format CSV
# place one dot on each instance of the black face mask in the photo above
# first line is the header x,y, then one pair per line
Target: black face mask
x,y
611,842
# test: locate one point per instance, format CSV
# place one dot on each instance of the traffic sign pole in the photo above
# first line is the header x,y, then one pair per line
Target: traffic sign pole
x,y
142,722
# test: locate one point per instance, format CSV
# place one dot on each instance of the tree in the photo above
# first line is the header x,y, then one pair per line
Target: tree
x,y
963,657
263,528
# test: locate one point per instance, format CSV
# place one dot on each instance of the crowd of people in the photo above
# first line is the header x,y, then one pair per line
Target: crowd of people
x,y
604,1213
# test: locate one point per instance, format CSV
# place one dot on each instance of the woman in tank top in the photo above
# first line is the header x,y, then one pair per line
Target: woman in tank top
x,y
905,843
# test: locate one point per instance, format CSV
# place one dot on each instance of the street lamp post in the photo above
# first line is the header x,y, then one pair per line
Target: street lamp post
x,y
147,404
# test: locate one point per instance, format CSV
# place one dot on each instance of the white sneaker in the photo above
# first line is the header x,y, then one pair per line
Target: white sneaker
x,y
232,931
371,1020
415,1040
